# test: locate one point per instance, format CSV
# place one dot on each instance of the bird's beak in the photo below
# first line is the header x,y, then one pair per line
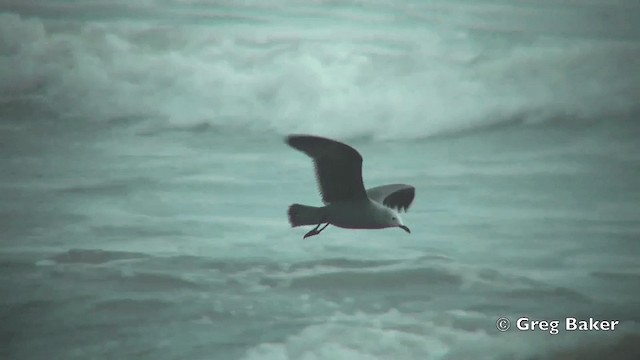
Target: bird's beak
x,y
405,228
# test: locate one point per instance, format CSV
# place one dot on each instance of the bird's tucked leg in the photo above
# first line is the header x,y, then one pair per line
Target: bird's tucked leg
x,y
315,230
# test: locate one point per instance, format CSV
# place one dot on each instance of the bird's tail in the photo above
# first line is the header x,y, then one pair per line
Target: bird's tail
x,y
300,215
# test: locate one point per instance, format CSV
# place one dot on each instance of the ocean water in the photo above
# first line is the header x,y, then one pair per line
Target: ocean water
x,y
144,179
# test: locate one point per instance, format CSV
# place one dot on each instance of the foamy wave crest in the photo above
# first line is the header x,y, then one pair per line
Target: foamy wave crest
x,y
88,256
428,336
376,79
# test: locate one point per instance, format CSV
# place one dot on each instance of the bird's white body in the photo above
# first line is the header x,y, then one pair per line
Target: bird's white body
x,y
361,215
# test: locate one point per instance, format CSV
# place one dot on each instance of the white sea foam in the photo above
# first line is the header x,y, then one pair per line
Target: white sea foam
x,y
367,76
450,335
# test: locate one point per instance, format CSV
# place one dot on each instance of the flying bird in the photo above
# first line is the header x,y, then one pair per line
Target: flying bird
x,y
347,203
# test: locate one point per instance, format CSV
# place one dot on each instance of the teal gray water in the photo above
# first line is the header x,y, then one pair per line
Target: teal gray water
x,y
144,179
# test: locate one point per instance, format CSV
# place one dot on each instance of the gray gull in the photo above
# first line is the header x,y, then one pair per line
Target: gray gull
x,y
347,203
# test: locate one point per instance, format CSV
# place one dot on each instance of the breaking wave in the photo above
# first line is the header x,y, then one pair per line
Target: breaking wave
x,y
365,77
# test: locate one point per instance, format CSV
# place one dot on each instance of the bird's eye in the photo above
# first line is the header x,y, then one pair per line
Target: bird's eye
x,y
393,218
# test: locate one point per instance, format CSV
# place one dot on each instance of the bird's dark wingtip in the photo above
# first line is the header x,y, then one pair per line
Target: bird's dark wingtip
x,y
296,140
401,199
287,139
305,137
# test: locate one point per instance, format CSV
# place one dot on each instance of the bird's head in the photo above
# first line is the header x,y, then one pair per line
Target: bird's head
x,y
392,219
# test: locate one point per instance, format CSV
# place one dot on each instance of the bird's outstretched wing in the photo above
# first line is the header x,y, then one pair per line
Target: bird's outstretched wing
x,y
338,167
396,196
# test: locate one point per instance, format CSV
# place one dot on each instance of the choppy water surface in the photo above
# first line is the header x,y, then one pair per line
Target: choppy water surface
x,y
145,182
